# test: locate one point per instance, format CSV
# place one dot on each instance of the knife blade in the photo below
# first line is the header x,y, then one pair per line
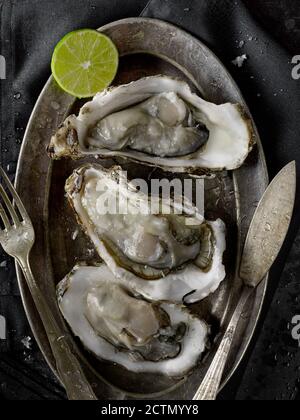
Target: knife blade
x,y
269,227
265,238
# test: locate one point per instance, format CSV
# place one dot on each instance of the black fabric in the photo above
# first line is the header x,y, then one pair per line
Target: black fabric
x,y
231,29
269,33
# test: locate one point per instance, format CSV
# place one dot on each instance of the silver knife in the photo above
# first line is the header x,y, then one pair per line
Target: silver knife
x,y
264,241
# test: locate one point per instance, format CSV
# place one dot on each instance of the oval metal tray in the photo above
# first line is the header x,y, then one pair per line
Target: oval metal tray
x,y
147,47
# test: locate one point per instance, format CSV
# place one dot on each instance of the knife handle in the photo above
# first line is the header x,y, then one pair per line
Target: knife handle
x,y
210,385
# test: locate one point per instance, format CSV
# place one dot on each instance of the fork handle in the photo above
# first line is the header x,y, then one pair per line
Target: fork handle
x,y
210,385
67,364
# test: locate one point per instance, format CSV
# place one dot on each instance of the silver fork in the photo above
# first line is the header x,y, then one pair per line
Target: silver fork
x,y
17,239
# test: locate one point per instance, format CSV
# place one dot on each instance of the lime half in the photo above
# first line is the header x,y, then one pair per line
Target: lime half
x,y
84,63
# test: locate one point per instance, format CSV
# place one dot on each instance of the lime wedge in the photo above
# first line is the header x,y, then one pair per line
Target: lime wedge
x,y
84,63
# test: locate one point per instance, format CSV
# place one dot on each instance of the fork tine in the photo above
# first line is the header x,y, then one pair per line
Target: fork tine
x,y
4,217
9,206
15,195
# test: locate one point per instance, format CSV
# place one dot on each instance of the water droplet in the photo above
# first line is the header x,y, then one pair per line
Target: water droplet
x,y
290,24
75,234
11,167
55,105
17,95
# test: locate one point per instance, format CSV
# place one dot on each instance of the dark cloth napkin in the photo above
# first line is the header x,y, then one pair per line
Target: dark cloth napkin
x,y
29,31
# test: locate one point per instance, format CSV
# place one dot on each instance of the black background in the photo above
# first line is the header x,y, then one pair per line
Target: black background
x,y
29,32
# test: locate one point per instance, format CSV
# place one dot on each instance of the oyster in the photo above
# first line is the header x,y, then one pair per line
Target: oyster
x,y
157,121
181,252
119,327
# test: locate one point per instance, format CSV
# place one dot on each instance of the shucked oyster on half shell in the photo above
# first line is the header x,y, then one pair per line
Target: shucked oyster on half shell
x,y
138,334
161,256
157,121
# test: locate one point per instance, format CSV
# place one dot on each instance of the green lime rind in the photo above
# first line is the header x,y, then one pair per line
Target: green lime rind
x,y
84,63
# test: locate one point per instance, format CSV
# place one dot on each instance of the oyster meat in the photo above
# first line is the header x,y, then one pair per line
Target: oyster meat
x,y
157,121
161,255
126,329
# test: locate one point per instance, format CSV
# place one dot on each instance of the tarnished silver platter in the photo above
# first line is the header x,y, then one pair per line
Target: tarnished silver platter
x,y
147,47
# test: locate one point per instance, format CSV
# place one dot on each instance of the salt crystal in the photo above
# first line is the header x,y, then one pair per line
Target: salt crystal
x,y
239,61
27,342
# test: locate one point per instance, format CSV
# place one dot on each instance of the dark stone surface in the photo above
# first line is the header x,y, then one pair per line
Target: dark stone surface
x,y
271,34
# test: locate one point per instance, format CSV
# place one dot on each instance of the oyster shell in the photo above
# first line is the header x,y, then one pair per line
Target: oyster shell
x,y
162,256
157,121
119,327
